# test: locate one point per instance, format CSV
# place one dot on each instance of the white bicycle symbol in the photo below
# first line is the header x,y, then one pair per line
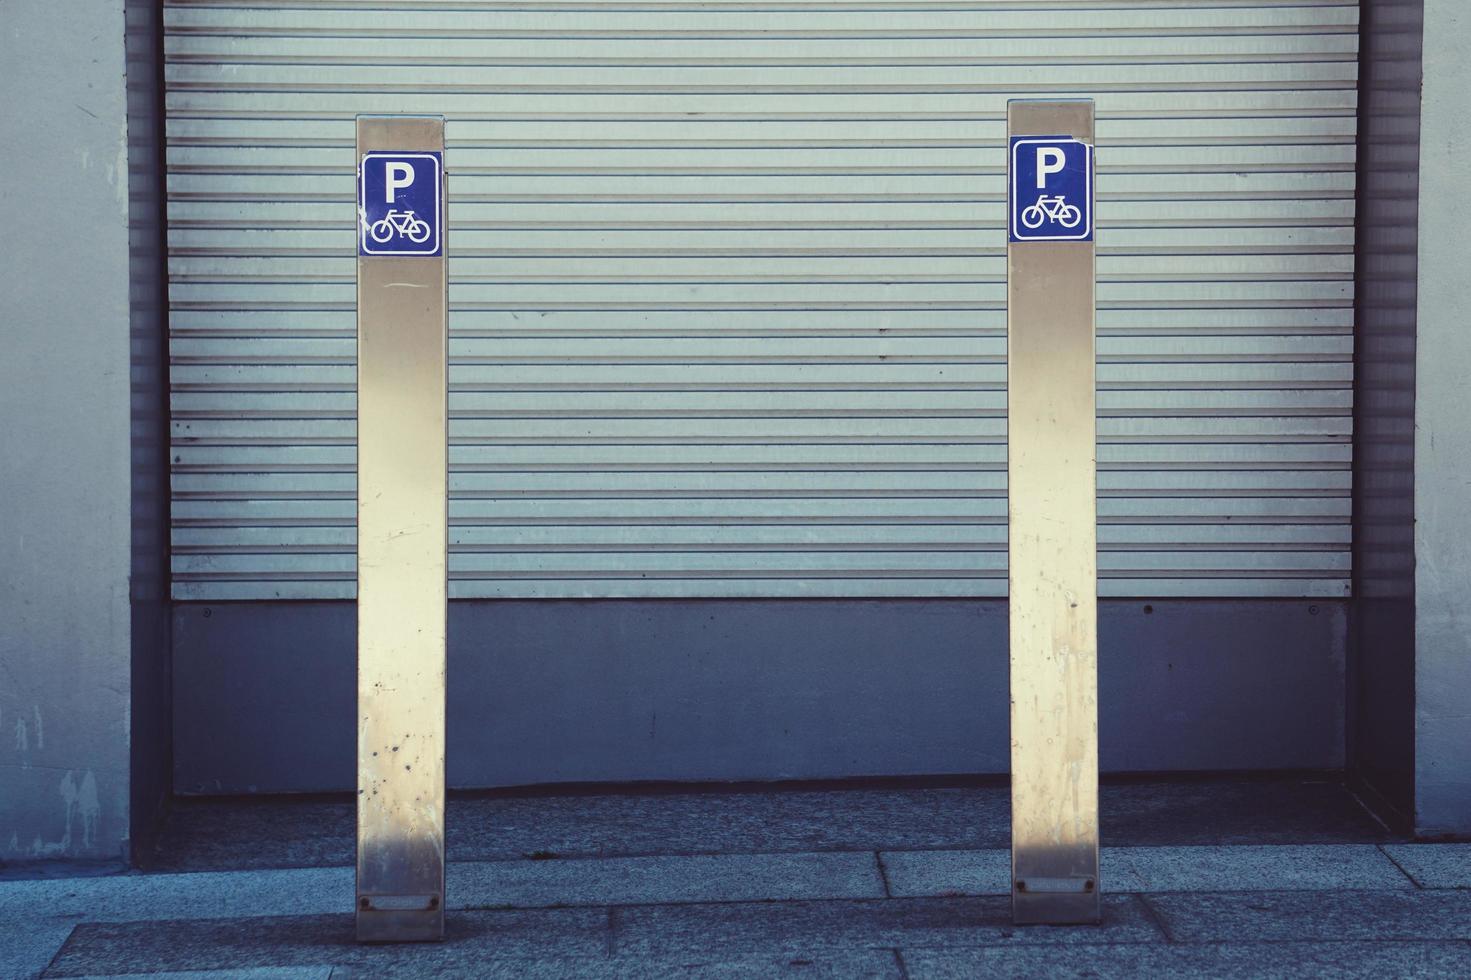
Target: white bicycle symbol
x,y
1053,208
404,223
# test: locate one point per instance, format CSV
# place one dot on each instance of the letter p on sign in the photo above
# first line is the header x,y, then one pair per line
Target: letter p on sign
x,y
1050,160
401,175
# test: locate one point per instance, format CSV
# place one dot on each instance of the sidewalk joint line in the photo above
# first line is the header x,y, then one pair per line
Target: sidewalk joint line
x,y
1400,867
878,859
59,947
900,964
1153,915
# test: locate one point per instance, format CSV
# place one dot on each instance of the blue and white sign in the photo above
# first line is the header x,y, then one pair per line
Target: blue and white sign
x,y
1051,189
400,203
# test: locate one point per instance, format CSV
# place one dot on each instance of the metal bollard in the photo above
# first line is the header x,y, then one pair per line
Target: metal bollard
x,y
402,527
1052,512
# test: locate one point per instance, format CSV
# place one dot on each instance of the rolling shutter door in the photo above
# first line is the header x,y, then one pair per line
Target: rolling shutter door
x,y
727,290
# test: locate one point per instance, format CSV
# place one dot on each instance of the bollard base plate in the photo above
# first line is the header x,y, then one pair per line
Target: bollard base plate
x,y
399,925
1056,908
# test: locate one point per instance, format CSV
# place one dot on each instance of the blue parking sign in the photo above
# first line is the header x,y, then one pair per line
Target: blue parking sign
x,y
400,203
1051,189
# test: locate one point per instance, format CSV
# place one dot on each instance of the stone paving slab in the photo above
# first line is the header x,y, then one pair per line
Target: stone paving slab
x,y
124,898
920,874
328,941
1353,933
878,965
1434,865
264,973
799,929
1288,961
1396,915
502,884
548,944
1277,867
27,944
661,880
882,965
713,878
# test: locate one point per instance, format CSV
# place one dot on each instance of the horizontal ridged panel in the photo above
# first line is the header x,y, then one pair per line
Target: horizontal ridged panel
x,y
727,290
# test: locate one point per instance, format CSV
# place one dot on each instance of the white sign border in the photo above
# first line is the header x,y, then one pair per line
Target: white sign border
x,y
436,251
1013,216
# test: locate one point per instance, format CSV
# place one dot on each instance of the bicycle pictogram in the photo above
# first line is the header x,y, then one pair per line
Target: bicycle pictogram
x,y
1051,209
399,223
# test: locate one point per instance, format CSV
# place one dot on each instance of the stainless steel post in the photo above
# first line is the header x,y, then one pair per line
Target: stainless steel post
x,y
402,531
1051,469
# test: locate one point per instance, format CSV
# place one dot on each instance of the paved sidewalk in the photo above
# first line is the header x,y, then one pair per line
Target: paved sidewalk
x,y
1273,910
870,883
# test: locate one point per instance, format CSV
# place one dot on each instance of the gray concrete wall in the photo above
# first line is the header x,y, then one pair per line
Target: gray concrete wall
x,y
1443,429
64,441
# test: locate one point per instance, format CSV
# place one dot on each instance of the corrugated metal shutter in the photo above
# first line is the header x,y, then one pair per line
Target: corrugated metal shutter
x,y
727,289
